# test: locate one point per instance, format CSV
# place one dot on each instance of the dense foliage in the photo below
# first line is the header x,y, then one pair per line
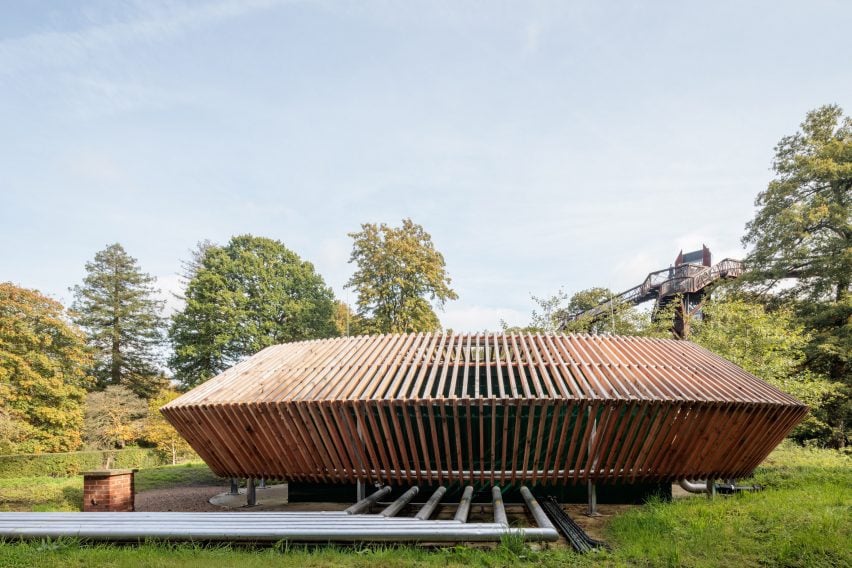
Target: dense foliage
x,y
802,234
43,362
65,464
117,307
771,345
242,297
399,274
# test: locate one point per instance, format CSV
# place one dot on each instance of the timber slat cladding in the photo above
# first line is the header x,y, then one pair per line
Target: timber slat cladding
x,y
484,408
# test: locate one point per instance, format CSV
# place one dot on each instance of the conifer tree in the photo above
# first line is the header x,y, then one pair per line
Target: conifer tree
x,y
117,307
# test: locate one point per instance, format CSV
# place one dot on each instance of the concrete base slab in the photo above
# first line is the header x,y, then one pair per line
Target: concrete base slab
x,y
269,496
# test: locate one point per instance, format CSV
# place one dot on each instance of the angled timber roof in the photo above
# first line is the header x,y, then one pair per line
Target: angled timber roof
x,y
429,366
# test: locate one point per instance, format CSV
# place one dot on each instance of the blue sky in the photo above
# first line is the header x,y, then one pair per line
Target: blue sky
x,y
543,145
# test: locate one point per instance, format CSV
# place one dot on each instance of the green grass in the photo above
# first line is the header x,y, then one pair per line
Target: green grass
x,y
66,493
803,518
192,473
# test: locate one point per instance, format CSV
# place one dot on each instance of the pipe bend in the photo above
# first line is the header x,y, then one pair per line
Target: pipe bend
x,y
693,486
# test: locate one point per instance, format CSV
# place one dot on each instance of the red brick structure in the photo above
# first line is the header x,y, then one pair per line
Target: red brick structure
x,y
109,490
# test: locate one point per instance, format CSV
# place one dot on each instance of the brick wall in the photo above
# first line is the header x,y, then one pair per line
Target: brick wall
x,y
108,490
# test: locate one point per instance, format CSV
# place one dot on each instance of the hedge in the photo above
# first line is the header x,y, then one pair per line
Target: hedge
x,y
67,464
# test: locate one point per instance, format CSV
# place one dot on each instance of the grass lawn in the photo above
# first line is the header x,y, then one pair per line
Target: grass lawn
x,y
66,493
803,518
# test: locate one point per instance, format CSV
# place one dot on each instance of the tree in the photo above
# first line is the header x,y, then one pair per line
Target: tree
x,y
621,318
553,315
43,379
771,345
117,307
348,323
242,297
159,433
399,275
803,231
113,417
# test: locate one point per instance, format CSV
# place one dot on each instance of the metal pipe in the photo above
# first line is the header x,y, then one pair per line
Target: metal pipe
x,y
364,504
308,527
693,486
464,505
395,507
499,510
426,511
235,487
536,510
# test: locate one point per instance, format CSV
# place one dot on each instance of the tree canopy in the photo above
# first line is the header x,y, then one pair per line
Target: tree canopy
x,y
113,417
802,233
43,378
118,308
771,345
399,275
242,297
552,313
621,319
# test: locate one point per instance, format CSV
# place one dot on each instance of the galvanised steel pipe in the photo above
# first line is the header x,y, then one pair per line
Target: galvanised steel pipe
x,y
395,507
499,510
248,527
426,511
692,486
536,510
364,504
464,505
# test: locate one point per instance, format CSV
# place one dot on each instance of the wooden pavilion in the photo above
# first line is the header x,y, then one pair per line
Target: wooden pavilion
x,y
485,409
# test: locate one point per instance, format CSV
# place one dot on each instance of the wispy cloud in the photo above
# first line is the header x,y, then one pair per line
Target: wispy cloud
x,y
151,24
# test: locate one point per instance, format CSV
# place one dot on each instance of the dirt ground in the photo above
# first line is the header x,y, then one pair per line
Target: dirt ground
x,y
185,498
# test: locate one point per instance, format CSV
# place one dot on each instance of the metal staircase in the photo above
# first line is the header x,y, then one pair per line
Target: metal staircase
x,y
664,284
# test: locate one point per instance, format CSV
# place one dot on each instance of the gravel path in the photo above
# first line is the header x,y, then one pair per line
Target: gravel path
x,y
185,498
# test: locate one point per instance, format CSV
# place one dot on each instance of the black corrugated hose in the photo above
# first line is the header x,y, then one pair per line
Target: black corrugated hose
x,y
573,532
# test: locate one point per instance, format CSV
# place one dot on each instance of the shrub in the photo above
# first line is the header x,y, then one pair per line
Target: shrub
x,y
72,463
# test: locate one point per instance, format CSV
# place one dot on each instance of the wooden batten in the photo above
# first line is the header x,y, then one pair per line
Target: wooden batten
x,y
484,409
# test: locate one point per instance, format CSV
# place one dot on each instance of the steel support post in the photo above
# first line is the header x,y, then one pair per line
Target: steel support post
x,y
360,490
235,486
592,489
251,495
593,500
